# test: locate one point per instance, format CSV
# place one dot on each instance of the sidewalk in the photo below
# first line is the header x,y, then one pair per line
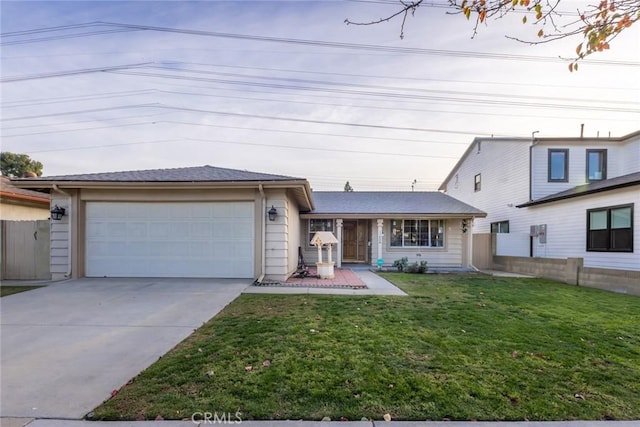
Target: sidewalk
x,y
7,422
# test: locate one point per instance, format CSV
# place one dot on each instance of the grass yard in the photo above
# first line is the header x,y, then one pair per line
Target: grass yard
x,y
460,347
10,290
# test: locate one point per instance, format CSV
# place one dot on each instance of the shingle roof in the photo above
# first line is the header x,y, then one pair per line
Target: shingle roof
x,y
191,174
387,202
9,190
590,188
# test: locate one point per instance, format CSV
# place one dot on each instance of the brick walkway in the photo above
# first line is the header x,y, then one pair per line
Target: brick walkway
x,y
344,278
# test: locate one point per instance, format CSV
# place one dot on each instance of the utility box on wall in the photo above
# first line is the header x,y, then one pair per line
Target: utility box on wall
x,y
542,233
539,231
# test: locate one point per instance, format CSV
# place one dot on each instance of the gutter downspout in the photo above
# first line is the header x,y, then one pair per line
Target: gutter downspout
x,y
68,273
263,261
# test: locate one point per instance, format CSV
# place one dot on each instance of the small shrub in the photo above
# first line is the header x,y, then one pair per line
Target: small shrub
x,y
401,264
417,268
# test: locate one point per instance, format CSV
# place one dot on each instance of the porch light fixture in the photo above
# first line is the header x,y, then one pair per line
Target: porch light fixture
x,y
464,225
57,213
273,213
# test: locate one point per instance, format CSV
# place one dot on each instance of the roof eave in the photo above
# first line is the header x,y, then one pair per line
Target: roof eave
x,y
305,199
328,215
574,195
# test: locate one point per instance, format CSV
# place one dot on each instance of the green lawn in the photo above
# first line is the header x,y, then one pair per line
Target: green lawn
x,y
460,347
10,290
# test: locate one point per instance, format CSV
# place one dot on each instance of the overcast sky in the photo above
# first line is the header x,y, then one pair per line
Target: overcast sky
x,y
281,87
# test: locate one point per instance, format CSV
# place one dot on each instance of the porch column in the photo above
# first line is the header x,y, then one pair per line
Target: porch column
x,y
339,248
380,237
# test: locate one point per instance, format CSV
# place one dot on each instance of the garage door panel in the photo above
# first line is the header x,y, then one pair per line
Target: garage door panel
x,y
170,239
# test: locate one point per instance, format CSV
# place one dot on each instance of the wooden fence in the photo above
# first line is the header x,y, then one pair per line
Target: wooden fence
x,y
24,253
482,251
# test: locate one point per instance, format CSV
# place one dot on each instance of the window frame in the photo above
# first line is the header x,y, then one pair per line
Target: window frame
x,y
311,233
432,224
603,152
609,229
550,153
477,182
498,225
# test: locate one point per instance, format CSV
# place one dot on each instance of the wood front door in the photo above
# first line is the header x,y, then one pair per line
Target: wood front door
x,y
354,241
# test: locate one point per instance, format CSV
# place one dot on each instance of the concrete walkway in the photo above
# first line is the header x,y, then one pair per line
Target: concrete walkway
x,y
376,285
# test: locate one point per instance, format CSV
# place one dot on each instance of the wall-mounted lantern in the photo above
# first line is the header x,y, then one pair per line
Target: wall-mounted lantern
x,y
273,213
464,225
57,213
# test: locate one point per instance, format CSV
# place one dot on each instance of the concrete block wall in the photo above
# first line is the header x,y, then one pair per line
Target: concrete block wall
x,y
572,272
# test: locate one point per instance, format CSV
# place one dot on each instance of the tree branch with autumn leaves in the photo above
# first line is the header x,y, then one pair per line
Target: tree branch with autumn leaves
x,y
597,24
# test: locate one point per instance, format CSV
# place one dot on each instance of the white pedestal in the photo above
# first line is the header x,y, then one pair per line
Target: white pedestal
x,y
325,270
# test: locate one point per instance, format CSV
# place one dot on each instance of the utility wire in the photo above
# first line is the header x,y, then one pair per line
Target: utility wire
x,y
71,72
388,88
379,94
337,45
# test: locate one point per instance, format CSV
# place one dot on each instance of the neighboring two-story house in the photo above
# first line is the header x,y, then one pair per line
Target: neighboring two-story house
x,y
556,198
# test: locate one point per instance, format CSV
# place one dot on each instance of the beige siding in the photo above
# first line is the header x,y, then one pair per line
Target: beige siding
x,y
11,212
293,222
59,238
449,256
277,237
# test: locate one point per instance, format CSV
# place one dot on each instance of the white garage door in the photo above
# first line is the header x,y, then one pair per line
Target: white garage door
x,y
170,239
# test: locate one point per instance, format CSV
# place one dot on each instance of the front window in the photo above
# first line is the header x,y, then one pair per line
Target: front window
x,y
558,165
423,233
596,165
500,227
610,229
319,225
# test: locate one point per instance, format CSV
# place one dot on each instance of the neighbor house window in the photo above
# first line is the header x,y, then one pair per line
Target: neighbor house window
x,y
423,233
610,229
558,165
500,227
319,225
596,165
476,182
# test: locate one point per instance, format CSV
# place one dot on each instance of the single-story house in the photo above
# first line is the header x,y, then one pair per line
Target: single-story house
x,y
19,204
224,223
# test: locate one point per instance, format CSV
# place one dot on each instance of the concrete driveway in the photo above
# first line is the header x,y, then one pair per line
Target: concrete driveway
x,y
67,346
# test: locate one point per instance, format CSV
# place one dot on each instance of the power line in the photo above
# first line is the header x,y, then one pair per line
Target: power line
x,y
378,94
334,45
71,72
395,78
92,110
